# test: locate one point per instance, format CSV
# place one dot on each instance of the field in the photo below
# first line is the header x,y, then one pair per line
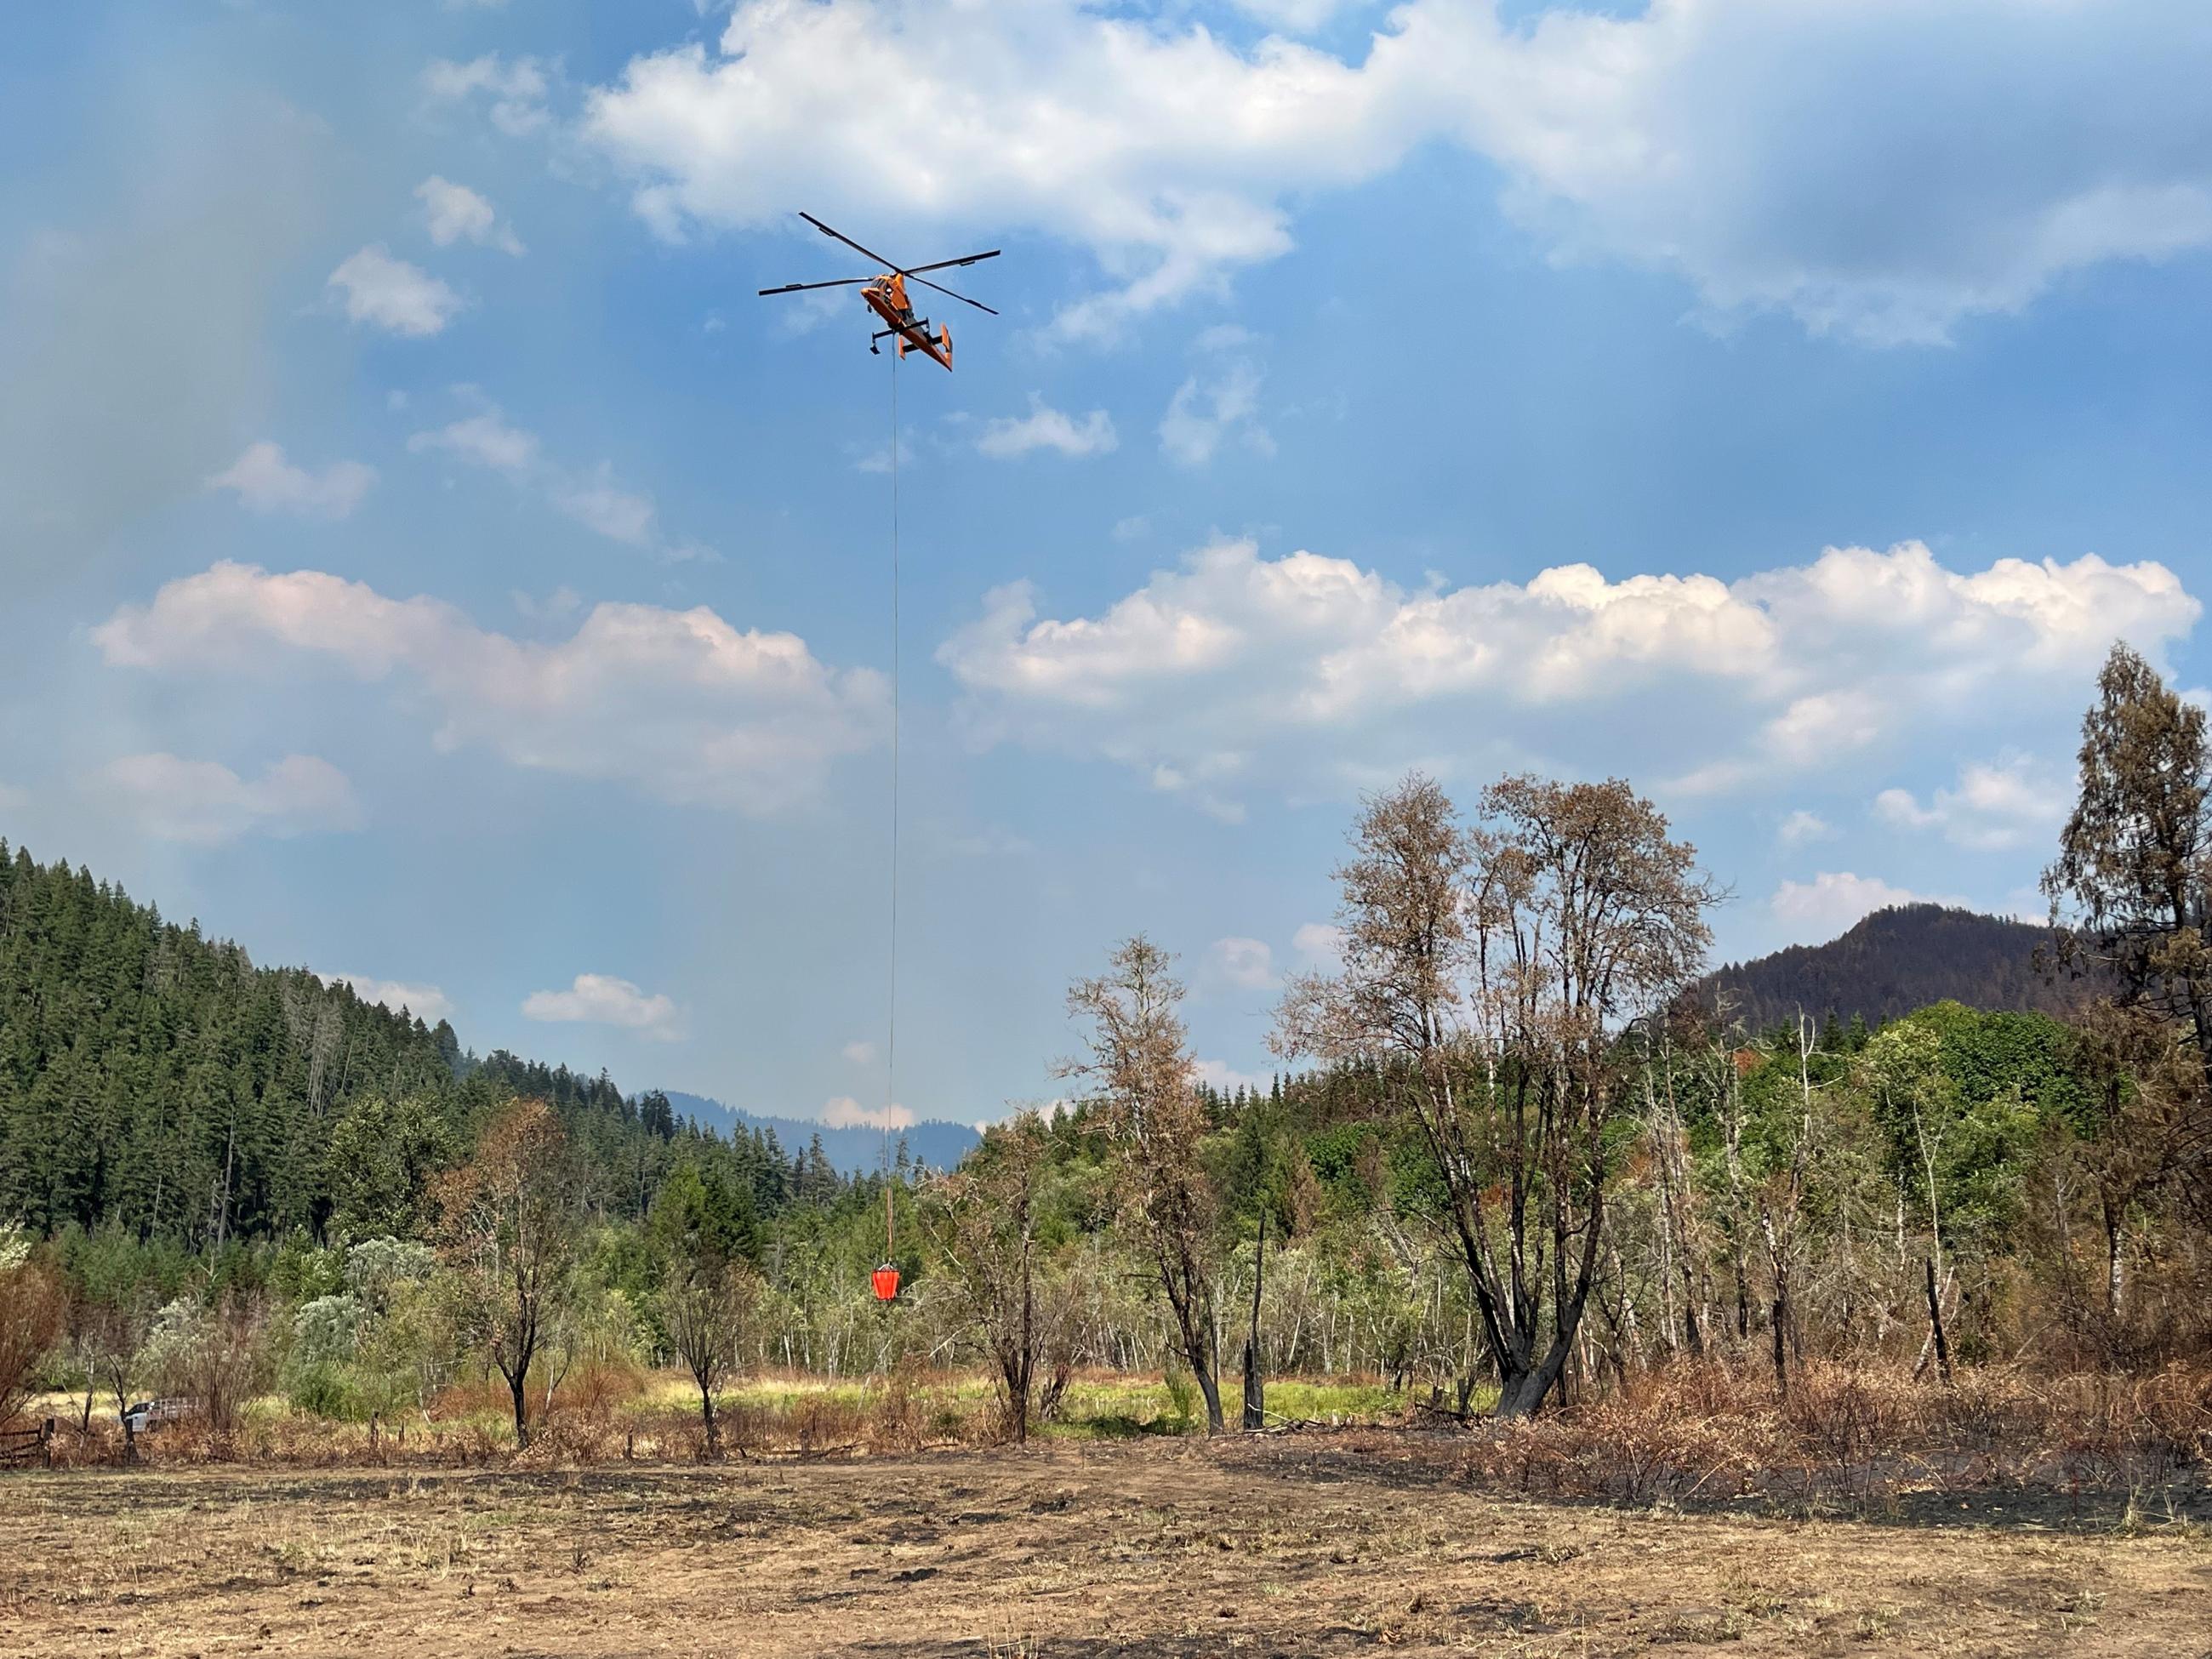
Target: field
x,y
1315,1542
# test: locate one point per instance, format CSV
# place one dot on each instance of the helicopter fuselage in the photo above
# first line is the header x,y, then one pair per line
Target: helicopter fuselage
x,y
886,297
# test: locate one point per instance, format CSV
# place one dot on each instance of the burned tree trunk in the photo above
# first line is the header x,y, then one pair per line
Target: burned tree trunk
x,y
1255,1410
1935,1322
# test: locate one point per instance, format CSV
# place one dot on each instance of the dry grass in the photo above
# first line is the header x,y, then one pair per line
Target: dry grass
x,y
618,1413
1855,1438
1309,1543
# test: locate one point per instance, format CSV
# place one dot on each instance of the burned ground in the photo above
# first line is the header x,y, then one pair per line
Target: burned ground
x,y
1311,1544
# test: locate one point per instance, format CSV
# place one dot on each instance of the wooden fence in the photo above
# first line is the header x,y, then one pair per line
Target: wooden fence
x,y
21,1448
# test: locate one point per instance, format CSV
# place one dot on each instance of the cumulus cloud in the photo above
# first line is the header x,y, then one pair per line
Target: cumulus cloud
x,y
205,804
598,503
265,482
859,1053
1995,806
1876,170
1247,963
426,1002
592,496
1316,676
393,295
1046,427
483,438
1815,911
454,213
603,1000
1318,942
679,703
843,1112
1802,826
1209,407
514,92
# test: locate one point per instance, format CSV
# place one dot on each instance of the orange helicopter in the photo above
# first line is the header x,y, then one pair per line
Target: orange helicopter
x,y
886,296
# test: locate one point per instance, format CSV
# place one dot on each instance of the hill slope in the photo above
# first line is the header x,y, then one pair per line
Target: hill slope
x,y
155,1079
1893,962
854,1152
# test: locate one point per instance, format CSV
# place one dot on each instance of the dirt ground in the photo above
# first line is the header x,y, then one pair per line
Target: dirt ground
x,y
1292,1546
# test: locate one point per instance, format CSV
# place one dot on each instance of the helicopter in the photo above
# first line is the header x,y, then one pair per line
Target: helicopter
x,y
886,296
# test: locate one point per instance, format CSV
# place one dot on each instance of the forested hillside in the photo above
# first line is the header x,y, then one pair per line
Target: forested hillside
x,y
1894,961
155,1079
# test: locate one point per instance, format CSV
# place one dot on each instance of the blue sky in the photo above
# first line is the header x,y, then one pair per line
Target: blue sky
x,y
427,561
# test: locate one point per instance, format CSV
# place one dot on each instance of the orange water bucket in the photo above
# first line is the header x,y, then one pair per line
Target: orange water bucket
x,y
885,1279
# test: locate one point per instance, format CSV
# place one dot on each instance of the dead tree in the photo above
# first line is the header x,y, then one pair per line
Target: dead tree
x,y
983,1226
1256,1403
1138,1063
508,1232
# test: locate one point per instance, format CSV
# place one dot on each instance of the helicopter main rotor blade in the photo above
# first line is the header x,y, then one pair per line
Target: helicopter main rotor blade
x,y
945,265
962,298
841,236
801,288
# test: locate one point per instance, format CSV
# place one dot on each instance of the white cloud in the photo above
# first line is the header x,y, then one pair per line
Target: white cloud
x,y
483,438
1208,407
454,213
1318,942
843,1112
1133,528
265,482
593,498
1817,910
1996,805
602,1000
393,294
858,1054
1047,427
1219,1074
678,704
560,604
1878,169
1317,676
1247,963
598,503
514,92
205,804
1802,826
426,1002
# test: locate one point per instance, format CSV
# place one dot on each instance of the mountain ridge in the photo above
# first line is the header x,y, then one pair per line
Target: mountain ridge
x,y
1895,960
936,1142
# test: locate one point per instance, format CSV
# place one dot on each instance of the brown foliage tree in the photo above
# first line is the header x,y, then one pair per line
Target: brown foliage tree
x,y
984,1232
509,1231
33,1308
1486,975
1140,1065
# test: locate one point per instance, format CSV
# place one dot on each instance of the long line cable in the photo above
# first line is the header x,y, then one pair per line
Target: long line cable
x,y
890,1046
